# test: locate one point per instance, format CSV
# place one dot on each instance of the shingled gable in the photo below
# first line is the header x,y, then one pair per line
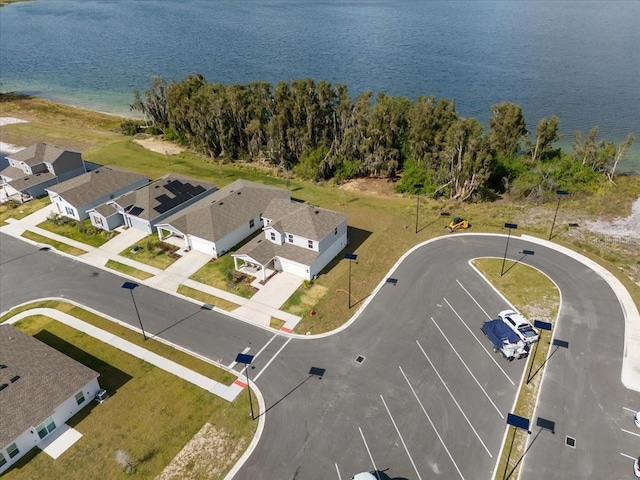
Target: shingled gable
x,y
225,210
301,219
93,185
41,153
46,379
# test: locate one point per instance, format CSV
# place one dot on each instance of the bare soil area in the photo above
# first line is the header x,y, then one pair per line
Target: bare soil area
x,y
158,145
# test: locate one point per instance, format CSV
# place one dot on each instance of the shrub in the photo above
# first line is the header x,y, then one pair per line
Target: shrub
x,y
129,127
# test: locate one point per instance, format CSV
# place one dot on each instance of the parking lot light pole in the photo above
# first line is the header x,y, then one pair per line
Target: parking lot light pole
x,y
130,286
542,326
246,359
350,257
418,187
560,194
509,226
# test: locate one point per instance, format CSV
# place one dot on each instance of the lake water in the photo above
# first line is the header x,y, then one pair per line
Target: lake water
x,y
579,60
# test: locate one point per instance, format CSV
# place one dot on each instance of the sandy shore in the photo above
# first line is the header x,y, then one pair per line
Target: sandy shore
x,y
7,147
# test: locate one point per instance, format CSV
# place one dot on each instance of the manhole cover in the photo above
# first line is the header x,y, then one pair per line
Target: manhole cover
x,y
571,441
359,359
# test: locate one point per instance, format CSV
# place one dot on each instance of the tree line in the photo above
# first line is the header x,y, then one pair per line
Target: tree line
x,y
318,132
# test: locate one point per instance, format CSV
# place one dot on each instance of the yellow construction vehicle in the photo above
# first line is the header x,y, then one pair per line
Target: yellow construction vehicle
x,y
457,224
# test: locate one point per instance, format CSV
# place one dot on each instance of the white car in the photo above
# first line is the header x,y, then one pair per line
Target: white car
x,y
636,419
364,476
520,325
636,467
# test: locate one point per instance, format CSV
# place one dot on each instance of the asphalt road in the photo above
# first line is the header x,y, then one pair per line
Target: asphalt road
x,y
429,399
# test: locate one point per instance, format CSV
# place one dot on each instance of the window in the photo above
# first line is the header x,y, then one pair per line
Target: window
x,y
69,211
46,428
80,398
290,238
251,223
273,236
310,243
97,220
2,459
12,450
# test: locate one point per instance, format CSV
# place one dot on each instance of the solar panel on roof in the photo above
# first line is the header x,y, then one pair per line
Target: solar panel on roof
x,y
181,191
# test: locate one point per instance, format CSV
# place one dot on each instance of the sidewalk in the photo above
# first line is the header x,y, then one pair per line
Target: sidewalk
x,y
258,310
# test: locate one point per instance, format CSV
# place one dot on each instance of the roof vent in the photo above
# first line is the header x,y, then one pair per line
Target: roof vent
x,y
2,366
239,193
317,212
221,203
3,386
15,379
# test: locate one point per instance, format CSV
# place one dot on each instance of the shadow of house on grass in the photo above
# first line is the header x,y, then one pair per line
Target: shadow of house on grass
x,y
356,237
110,378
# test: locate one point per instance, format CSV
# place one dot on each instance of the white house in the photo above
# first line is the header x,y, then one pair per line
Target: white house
x,y
217,223
75,197
40,389
298,238
144,207
31,170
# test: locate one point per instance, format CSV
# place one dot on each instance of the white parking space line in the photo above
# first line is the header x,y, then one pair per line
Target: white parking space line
x,y
630,433
272,359
474,300
454,399
629,409
465,366
234,363
338,470
432,425
628,456
401,439
479,342
369,452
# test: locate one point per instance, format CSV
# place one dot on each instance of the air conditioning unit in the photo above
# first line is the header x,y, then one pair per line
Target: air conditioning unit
x,y
101,395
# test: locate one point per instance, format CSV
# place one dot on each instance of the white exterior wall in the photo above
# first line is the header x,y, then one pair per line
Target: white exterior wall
x,y
279,237
330,253
299,241
62,206
202,245
30,438
108,223
331,238
295,268
138,223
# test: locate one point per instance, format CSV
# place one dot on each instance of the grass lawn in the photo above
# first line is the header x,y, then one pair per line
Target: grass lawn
x,y
206,298
63,247
152,251
18,211
127,270
536,297
79,231
221,273
151,415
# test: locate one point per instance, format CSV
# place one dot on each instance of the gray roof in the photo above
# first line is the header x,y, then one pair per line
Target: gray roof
x,y
30,180
262,251
226,210
94,185
39,153
47,378
105,210
162,195
302,219
12,172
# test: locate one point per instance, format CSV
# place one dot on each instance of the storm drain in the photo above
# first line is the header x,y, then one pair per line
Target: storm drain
x,y
570,441
359,359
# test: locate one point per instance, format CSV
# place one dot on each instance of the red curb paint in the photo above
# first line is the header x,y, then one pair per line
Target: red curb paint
x,y
285,329
240,384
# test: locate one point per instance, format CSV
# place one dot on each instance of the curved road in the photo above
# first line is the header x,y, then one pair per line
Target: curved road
x,y
428,398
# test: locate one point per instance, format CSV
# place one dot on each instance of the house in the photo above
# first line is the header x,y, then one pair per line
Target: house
x,y
31,170
75,197
40,389
151,203
217,223
298,238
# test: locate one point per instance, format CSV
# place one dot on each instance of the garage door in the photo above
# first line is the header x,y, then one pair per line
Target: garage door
x,y
294,268
203,246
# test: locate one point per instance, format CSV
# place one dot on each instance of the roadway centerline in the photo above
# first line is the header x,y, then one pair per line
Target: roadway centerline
x,y
474,300
465,366
369,452
454,399
479,342
401,439
432,425
272,358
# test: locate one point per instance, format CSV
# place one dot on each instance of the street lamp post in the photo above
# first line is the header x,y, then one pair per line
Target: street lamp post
x,y
130,286
510,226
418,187
350,257
560,193
246,359
542,326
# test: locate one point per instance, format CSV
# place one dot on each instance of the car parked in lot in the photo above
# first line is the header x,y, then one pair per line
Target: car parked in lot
x,y
363,476
520,325
636,419
636,467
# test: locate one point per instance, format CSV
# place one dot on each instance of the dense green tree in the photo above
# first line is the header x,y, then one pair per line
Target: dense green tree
x,y
154,106
547,132
507,129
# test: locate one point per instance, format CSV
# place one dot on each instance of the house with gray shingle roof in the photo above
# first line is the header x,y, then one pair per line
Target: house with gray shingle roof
x,y
217,223
150,204
40,389
298,238
76,196
31,170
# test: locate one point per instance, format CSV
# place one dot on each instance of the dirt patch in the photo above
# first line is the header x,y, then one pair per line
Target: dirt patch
x,y
159,145
207,455
372,186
